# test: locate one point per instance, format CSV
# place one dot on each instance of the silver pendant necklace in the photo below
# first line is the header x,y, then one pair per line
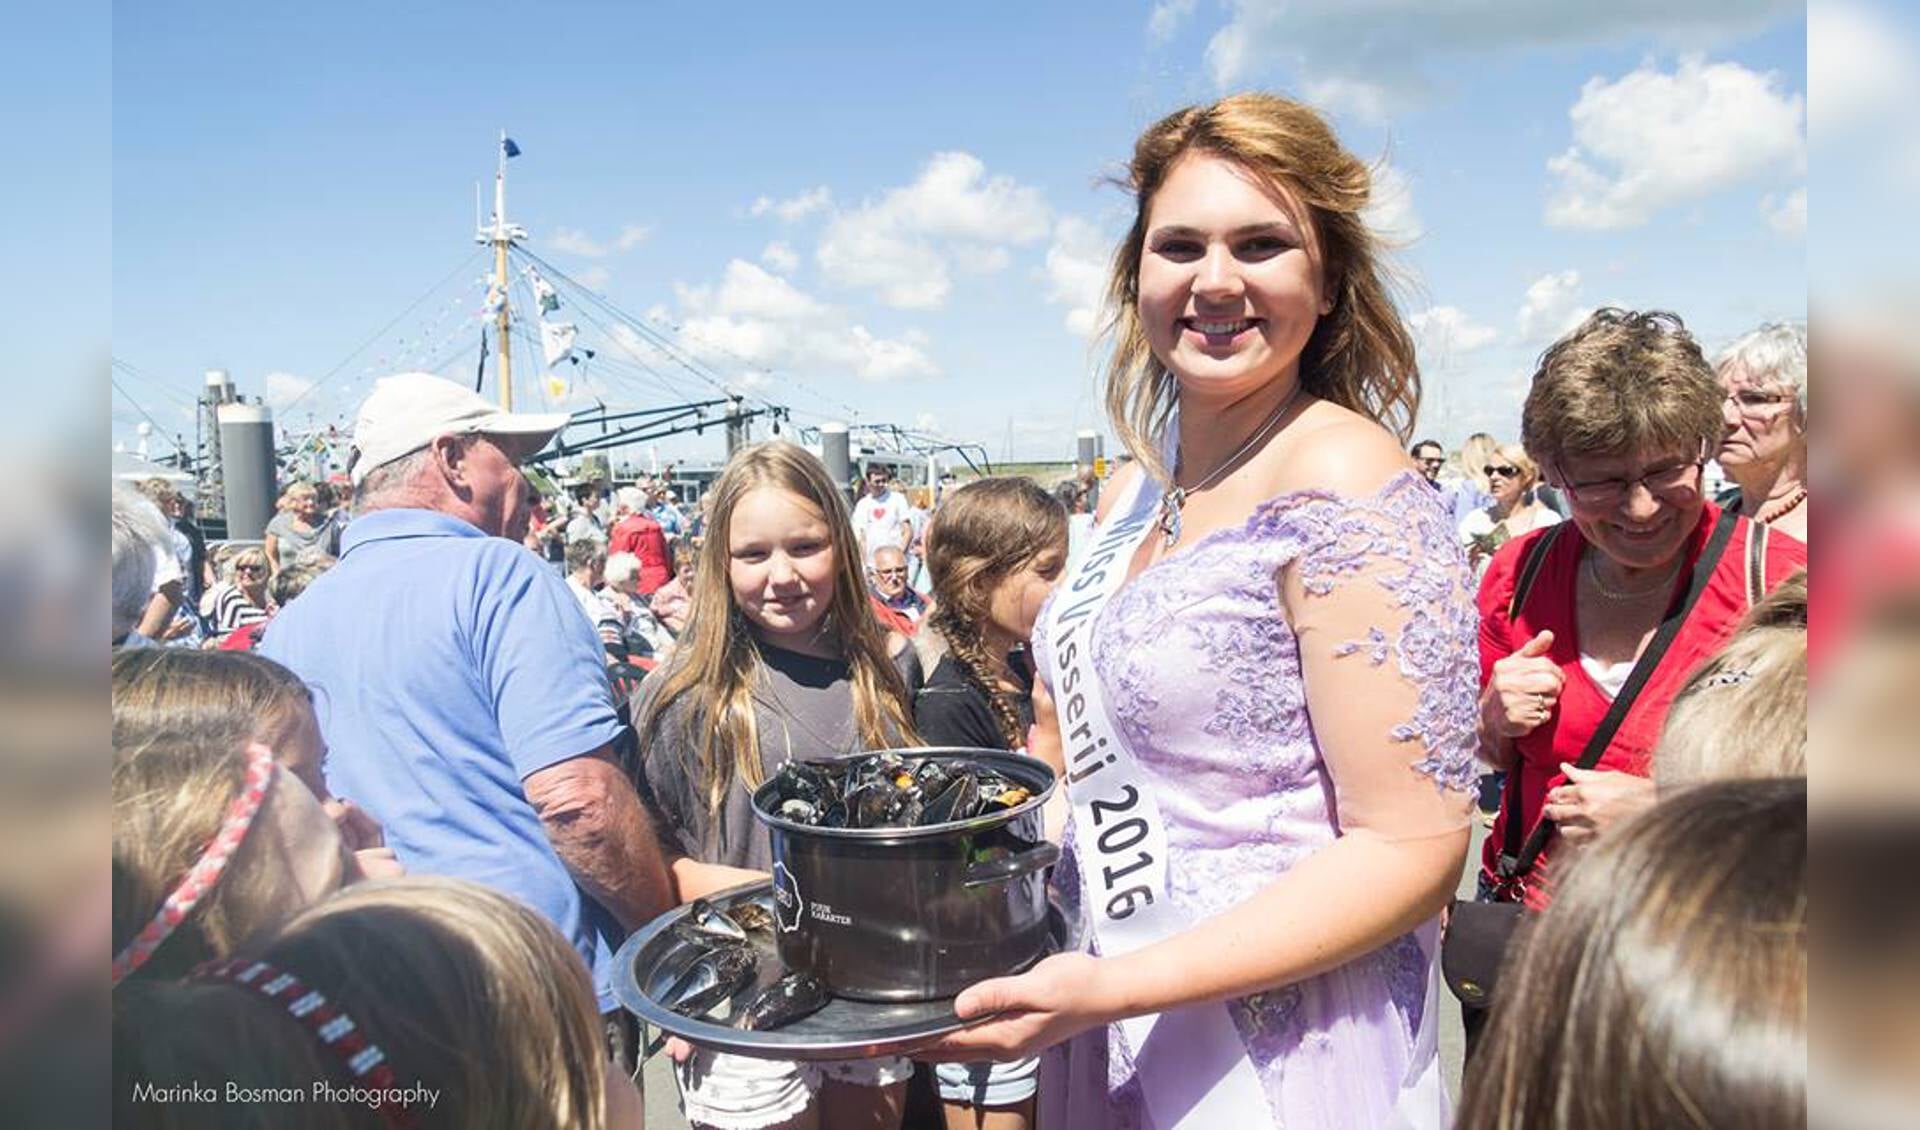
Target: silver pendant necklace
x,y
1175,497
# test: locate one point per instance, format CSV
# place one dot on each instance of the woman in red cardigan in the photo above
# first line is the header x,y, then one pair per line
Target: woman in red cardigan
x,y
1622,415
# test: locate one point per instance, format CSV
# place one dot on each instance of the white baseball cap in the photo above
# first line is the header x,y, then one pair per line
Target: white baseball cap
x,y
407,411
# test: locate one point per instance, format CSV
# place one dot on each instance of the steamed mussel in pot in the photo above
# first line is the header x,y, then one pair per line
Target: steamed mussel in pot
x,y
886,790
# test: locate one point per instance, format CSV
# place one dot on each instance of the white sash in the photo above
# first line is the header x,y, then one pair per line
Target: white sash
x,y
1191,1063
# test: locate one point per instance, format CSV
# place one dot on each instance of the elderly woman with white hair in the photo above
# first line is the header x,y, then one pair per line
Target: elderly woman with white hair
x,y
1764,375
139,556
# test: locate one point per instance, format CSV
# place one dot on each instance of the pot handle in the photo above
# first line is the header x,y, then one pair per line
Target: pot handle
x,y
1041,855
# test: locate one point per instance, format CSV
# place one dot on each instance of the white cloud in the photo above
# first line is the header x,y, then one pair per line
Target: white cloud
x,y
750,380
285,388
1863,67
902,246
573,241
980,259
1372,57
881,360
595,277
780,257
1552,306
1076,271
793,208
761,319
1167,17
1445,334
905,272
1389,210
1650,140
1787,215
749,291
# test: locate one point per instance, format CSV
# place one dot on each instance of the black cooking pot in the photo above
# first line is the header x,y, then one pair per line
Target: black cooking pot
x,y
911,914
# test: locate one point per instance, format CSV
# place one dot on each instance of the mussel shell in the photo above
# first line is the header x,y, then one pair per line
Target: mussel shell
x,y
752,917
933,776
883,766
714,976
960,800
791,997
883,804
800,810
800,780
704,925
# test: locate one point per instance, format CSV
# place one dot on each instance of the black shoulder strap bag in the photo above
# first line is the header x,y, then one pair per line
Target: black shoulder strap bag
x,y
1479,933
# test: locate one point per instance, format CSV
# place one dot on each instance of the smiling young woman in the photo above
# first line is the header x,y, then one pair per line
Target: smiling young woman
x,y
1257,674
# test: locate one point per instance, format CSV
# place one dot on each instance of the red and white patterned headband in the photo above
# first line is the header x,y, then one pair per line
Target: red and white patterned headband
x,y
206,871
337,1032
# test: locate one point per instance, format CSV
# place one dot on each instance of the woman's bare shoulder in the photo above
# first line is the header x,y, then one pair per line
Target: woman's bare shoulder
x,y
1338,450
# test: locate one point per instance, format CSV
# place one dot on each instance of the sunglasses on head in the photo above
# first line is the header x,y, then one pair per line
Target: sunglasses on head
x,y
1504,470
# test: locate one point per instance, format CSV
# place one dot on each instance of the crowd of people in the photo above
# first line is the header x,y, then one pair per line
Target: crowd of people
x,y
389,801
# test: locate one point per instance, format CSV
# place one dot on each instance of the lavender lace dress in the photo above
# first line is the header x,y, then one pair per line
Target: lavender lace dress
x,y
1204,676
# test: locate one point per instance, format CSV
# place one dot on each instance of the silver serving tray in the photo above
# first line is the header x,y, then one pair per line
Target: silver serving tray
x,y
654,957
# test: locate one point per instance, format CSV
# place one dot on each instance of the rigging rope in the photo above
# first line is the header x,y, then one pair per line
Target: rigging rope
x,y
381,332
158,428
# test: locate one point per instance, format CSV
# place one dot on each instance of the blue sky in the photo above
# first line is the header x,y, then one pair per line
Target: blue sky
x,y
931,226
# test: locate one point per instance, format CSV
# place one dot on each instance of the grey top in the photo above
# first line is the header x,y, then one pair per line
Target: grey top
x,y
803,710
295,542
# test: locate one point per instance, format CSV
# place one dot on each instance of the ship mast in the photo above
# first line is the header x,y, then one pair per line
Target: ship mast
x,y
502,236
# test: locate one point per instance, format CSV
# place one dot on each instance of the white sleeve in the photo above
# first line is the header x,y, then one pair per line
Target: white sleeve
x,y
166,567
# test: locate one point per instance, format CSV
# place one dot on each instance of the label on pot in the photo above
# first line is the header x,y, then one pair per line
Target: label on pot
x,y
787,904
824,913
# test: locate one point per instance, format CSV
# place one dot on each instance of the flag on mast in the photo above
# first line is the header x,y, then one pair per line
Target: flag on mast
x,y
556,341
508,147
543,291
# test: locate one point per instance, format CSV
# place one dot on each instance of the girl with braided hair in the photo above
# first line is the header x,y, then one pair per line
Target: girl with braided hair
x,y
995,551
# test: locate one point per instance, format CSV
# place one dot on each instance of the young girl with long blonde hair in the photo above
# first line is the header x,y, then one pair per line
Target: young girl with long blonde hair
x,y
781,659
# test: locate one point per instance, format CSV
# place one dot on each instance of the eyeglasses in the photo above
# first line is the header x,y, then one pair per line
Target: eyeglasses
x,y
1504,470
1432,460
249,568
1757,405
1677,482
890,572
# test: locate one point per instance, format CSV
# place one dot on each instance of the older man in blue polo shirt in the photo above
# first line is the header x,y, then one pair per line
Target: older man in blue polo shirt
x,y
462,694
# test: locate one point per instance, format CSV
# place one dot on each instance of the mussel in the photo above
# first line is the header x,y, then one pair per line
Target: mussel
x,y
959,800
715,975
752,917
705,926
790,998
998,792
886,790
881,804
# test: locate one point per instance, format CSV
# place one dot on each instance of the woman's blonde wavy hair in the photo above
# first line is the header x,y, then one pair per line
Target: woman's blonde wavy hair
x,y
1360,355
717,665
